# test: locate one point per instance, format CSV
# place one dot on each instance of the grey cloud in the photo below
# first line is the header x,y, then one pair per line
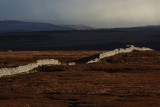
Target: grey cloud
x,y
97,13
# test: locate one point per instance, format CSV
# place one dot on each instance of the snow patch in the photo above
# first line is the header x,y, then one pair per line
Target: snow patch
x,y
71,63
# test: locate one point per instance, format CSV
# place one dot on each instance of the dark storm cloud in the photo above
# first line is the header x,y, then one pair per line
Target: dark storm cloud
x,y
98,13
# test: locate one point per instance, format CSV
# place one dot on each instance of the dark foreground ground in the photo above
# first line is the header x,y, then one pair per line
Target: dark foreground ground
x,y
125,80
78,40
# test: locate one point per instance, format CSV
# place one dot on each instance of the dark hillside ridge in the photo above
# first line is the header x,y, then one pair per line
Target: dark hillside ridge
x,y
19,26
79,27
142,28
78,40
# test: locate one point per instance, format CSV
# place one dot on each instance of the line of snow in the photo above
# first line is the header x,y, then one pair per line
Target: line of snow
x,y
118,51
71,63
28,67
31,66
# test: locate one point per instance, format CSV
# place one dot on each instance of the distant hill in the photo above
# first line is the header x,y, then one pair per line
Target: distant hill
x,y
19,26
79,27
141,28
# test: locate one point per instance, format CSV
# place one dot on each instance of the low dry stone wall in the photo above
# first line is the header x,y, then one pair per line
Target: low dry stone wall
x,y
28,67
118,51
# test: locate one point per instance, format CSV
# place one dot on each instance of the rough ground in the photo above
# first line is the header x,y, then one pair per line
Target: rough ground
x,y
125,80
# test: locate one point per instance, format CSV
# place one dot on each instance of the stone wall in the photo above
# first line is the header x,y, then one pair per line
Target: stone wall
x,y
28,67
118,51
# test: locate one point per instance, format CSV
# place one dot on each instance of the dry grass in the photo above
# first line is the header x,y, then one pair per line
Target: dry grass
x,y
124,80
13,59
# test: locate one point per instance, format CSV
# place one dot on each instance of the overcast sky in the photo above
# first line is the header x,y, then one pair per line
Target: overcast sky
x,y
95,13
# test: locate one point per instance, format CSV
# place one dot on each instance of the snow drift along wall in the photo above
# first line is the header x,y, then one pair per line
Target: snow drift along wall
x,y
118,51
28,67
